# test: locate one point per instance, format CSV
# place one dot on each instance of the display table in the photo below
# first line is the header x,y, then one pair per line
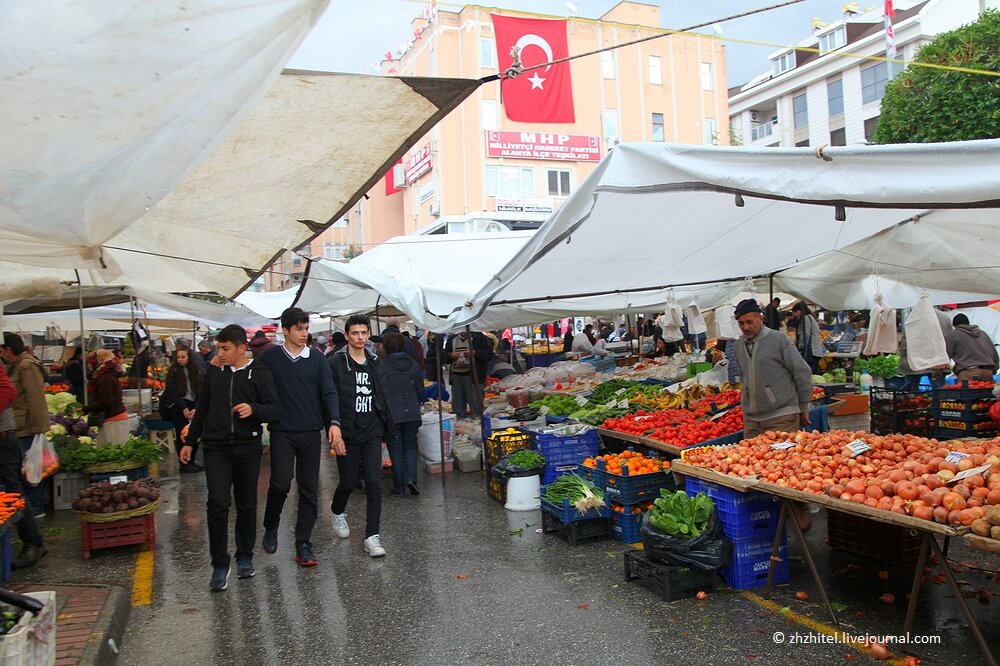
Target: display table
x,y
928,530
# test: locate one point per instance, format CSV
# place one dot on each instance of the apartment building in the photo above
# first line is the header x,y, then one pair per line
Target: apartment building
x,y
478,171
827,93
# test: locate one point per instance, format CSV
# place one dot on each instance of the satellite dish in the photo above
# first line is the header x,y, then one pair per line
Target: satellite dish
x,y
572,7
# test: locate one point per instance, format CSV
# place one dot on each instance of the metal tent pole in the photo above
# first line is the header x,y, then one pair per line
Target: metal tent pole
x,y
83,344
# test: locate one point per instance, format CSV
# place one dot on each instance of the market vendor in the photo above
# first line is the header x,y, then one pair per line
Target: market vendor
x,y
107,408
777,382
971,349
582,343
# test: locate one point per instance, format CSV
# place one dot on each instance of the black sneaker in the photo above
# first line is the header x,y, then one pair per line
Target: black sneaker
x,y
270,541
304,554
28,557
413,488
220,579
244,569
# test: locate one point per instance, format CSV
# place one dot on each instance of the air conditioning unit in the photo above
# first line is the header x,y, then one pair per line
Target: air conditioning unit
x,y
435,209
753,116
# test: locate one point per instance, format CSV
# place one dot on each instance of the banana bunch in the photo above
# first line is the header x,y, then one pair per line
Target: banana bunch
x,y
664,400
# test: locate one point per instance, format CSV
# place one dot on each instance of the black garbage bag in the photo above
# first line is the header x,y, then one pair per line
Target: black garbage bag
x,y
708,551
505,469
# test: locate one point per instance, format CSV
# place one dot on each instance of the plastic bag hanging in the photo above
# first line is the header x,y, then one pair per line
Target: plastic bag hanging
x,y
882,329
726,327
925,346
696,321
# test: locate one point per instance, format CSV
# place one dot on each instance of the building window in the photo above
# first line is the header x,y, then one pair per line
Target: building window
x,y
838,137
607,64
296,261
488,108
870,126
707,80
802,144
505,181
558,182
609,121
657,127
655,70
835,97
783,63
801,111
708,136
833,40
487,53
873,80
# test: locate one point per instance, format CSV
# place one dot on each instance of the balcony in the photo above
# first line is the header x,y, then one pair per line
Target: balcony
x,y
763,131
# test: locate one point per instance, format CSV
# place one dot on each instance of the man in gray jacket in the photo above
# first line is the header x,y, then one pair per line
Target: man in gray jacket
x,y
972,350
777,383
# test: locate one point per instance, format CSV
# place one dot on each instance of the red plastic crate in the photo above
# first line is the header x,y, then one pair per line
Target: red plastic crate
x,y
127,532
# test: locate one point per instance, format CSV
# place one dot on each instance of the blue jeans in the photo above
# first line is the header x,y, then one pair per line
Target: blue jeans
x,y
403,452
34,494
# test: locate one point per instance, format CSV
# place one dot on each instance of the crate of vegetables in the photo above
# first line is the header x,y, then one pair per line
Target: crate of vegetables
x,y
964,390
629,477
574,507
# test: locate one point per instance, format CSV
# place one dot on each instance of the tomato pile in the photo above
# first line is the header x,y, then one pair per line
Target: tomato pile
x,y
689,434
904,474
643,421
720,400
972,384
634,461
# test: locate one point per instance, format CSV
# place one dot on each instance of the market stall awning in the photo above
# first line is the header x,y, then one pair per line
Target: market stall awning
x,y
428,278
190,166
658,216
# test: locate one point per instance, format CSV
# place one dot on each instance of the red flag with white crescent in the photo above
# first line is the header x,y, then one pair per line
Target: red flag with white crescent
x,y
890,34
543,95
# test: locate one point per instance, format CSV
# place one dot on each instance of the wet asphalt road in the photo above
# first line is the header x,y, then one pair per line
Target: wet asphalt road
x,y
467,582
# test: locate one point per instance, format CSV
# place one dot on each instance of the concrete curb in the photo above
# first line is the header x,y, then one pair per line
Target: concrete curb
x,y
110,624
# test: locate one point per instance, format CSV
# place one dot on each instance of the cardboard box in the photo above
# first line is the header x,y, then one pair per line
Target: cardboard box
x,y
853,403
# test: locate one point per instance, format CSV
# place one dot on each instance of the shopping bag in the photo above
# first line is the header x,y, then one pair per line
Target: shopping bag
x,y
925,346
882,329
386,460
40,460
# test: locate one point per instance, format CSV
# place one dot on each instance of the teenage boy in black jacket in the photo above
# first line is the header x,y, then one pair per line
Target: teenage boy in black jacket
x,y
236,398
367,424
305,387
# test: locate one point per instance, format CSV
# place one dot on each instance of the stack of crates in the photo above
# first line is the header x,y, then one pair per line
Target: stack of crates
x,y
498,445
963,412
564,453
628,497
900,410
750,520
575,526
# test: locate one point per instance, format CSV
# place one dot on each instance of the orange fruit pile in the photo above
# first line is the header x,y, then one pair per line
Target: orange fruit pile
x,y
634,461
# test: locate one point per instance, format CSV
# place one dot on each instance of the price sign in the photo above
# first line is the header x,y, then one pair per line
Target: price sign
x,y
955,456
720,414
543,410
121,478
781,446
969,472
580,400
620,391
856,448
611,405
623,404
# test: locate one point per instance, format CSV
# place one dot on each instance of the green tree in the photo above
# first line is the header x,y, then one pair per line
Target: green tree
x,y
924,104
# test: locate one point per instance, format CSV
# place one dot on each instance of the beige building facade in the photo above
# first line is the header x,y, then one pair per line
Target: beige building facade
x,y
478,171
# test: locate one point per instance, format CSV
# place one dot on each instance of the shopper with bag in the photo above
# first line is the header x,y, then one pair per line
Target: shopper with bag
x,y
31,413
178,400
107,408
32,546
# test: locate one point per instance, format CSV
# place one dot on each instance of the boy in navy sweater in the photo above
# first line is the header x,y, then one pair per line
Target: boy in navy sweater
x,y
305,388
237,397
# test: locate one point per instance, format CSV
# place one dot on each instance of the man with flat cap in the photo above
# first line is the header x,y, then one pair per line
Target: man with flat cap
x,y
777,382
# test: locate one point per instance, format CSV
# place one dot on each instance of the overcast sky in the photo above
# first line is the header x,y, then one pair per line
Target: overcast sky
x,y
353,33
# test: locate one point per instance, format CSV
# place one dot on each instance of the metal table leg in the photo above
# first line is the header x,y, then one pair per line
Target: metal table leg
x,y
950,575
911,606
774,549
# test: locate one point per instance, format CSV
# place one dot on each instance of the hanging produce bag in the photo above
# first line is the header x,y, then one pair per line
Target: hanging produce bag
x,y
725,323
925,346
696,321
882,329
40,461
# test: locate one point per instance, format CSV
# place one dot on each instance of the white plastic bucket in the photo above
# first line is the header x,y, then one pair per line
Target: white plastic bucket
x,y
523,493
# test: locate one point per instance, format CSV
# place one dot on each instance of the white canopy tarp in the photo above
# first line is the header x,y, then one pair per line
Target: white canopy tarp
x,y
427,277
156,138
652,216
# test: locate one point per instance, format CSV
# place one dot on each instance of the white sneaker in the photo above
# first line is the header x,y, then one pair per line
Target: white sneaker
x,y
340,525
373,547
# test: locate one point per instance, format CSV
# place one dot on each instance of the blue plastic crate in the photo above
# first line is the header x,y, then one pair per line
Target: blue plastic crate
x,y
727,499
626,489
954,433
133,474
749,566
564,453
964,393
6,548
758,523
625,526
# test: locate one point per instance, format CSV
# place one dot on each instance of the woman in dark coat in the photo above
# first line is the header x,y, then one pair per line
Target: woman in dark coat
x,y
179,397
406,387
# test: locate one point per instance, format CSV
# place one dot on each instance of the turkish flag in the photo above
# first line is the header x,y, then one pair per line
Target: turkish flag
x,y
543,95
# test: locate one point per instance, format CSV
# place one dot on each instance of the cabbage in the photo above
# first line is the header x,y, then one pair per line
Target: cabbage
x,y
57,402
